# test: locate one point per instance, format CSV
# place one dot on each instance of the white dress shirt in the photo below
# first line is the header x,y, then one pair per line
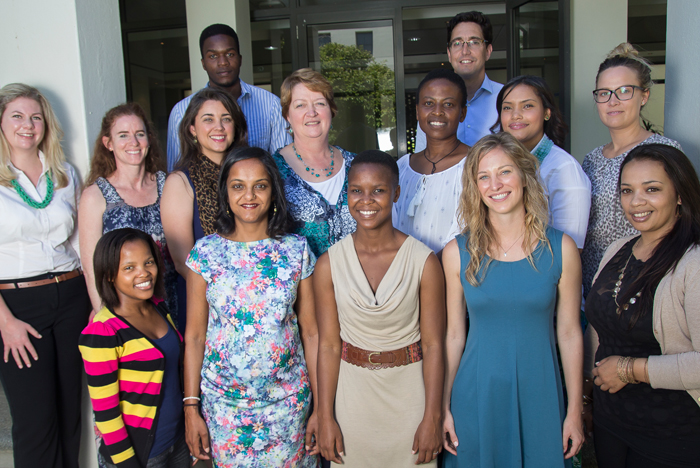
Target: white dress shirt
x,y
569,193
39,241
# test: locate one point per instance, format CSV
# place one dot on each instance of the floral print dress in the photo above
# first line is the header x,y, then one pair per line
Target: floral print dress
x,y
255,388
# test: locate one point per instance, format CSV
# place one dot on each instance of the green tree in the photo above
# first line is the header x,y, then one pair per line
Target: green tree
x,y
357,77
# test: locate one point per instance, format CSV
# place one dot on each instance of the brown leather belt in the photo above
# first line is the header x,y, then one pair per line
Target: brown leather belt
x,y
55,279
381,360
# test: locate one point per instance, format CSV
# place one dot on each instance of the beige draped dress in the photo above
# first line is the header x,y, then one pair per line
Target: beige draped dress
x,y
378,411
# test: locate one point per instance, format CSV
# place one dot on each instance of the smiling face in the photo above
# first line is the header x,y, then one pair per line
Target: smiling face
x,y
648,197
372,192
469,62
221,61
616,114
500,183
128,141
439,108
249,192
23,125
309,113
523,115
214,130
137,274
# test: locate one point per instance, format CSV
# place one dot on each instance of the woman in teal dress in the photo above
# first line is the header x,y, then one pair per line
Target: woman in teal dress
x,y
503,404
250,309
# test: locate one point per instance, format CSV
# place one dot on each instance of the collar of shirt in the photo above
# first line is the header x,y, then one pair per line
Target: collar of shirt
x,y
22,178
486,87
245,89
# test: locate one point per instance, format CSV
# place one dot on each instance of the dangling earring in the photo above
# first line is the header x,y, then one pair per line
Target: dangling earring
x,y
228,210
331,127
194,139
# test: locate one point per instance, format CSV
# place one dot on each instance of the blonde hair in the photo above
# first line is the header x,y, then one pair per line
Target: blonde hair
x,y
50,145
625,55
473,213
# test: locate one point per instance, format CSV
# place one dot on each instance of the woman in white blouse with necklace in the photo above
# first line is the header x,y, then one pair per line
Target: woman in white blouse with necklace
x,y
430,180
527,110
44,303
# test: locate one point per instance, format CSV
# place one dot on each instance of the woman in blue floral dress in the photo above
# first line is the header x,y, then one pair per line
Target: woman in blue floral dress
x,y
250,310
315,173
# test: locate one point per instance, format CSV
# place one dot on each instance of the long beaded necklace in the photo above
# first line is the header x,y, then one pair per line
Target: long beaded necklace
x,y
311,169
618,285
435,163
34,204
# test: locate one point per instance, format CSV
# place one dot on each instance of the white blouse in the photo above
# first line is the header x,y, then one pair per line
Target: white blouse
x,y
331,188
427,205
569,193
39,241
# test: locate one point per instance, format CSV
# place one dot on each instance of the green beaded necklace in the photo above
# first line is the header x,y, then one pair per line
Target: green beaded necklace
x,y
24,196
311,169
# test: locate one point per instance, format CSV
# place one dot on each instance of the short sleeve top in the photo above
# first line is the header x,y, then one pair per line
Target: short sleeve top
x,y
253,352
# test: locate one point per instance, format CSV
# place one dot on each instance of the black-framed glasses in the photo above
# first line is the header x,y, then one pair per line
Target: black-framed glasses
x,y
623,93
458,44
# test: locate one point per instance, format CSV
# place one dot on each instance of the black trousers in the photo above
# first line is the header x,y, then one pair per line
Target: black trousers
x,y
44,399
611,452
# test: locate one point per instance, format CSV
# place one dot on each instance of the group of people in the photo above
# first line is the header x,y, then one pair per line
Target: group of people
x,y
275,300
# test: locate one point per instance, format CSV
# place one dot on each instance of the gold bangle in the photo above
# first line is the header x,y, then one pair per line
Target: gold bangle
x,y
622,369
630,371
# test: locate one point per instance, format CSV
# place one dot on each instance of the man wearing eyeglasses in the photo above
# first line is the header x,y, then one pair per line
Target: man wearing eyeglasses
x,y
469,47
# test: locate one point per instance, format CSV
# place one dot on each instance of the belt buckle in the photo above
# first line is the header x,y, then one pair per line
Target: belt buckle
x,y
369,358
56,278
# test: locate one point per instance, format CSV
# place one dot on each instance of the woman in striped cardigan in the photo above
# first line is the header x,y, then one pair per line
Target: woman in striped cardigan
x,y
132,354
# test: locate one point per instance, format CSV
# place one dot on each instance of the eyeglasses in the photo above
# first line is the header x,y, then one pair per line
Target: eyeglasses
x,y
458,44
623,93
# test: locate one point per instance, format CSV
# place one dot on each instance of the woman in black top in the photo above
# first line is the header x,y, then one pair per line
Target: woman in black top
x,y
645,313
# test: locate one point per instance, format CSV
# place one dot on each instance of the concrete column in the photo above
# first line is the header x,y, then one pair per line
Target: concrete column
x,y
71,50
592,36
200,15
681,116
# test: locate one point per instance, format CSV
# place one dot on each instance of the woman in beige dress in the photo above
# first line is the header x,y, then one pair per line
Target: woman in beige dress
x,y
381,313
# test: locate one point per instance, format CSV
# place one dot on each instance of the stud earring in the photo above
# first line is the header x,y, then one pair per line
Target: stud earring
x,y
290,131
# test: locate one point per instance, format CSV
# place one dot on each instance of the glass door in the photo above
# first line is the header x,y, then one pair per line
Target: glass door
x,y
357,57
538,44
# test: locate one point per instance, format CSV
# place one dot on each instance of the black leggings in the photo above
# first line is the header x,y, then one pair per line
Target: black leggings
x,y
611,452
45,399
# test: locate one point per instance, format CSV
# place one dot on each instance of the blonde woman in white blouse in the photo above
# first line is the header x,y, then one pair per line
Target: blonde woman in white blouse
x,y
430,180
44,303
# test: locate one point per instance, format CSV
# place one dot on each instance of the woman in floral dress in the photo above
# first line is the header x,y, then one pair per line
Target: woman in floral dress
x,y
250,309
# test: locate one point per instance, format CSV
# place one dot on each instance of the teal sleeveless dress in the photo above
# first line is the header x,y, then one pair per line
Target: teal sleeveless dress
x,y
507,399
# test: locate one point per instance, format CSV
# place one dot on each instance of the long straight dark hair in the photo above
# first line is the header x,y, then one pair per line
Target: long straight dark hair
x,y
279,219
684,234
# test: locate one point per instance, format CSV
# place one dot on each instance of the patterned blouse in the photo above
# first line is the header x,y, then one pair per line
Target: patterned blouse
x,y
607,222
118,214
321,222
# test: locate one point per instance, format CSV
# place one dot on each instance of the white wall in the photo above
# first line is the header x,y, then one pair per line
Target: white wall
x,y
593,35
235,13
71,51
682,115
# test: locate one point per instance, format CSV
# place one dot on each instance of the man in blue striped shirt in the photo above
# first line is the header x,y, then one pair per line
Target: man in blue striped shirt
x,y
221,59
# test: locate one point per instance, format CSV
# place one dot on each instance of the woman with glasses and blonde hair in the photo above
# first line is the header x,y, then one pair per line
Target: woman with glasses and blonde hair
x,y
623,85
44,304
503,403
